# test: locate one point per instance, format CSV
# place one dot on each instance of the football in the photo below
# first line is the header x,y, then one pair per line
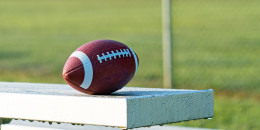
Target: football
x,y
100,67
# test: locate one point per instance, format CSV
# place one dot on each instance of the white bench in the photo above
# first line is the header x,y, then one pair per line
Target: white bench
x,y
131,107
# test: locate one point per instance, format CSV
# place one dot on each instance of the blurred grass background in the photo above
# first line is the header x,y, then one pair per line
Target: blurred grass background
x,y
216,45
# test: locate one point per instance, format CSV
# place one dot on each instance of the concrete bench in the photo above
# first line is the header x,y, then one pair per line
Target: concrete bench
x,y
130,107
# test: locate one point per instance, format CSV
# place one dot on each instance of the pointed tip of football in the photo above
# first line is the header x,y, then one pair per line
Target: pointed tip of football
x,y
73,71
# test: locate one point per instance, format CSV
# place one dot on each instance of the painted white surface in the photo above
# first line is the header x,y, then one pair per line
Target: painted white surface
x,y
128,107
91,110
88,69
26,125
161,109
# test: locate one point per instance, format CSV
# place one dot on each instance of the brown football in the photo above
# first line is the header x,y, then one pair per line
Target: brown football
x,y
100,67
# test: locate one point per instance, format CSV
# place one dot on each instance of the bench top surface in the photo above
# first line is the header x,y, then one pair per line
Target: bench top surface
x,y
66,90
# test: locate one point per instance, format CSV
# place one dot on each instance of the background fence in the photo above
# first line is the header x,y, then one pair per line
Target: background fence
x,y
216,45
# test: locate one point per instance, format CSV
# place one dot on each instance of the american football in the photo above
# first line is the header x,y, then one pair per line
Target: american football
x,y
100,67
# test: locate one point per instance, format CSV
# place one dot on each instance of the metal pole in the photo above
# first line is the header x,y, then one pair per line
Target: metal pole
x,y
167,43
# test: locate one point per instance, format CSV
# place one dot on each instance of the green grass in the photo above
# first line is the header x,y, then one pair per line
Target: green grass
x,y
37,37
216,45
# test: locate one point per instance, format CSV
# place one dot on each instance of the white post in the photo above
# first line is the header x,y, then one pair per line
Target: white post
x,y
167,43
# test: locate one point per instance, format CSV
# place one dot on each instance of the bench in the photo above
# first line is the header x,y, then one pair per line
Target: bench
x,y
130,107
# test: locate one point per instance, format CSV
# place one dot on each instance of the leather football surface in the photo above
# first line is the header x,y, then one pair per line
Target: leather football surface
x,y
100,67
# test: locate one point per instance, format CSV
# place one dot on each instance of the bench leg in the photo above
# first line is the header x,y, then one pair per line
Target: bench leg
x,y
4,121
1,122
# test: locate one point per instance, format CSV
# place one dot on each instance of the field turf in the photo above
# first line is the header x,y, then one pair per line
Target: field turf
x,y
216,45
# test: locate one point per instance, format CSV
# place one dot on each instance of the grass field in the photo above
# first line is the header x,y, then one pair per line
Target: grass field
x,y
216,45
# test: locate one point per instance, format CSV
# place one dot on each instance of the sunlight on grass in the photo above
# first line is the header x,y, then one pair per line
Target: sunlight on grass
x,y
216,45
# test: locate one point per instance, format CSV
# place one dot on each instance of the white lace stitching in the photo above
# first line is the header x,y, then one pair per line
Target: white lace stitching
x,y
123,53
